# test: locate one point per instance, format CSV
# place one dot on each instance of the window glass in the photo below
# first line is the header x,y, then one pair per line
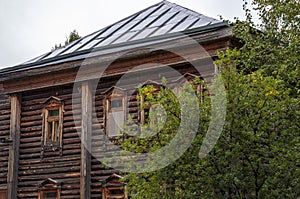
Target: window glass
x,y
116,192
50,195
115,116
53,112
50,130
116,103
115,122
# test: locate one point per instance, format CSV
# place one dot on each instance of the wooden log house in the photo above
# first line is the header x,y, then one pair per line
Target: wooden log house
x,y
46,121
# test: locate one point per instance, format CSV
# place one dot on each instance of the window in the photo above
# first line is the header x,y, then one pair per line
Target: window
x,y
52,122
115,193
3,194
49,189
145,109
50,194
113,188
52,127
194,80
148,108
115,113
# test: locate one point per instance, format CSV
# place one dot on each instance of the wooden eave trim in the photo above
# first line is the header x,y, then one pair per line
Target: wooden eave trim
x,y
68,77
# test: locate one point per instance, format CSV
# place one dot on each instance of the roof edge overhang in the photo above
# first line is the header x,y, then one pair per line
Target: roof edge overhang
x,y
221,33
110,49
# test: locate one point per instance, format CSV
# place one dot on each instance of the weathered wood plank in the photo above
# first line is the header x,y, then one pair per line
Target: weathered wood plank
x,y
13,162
86,131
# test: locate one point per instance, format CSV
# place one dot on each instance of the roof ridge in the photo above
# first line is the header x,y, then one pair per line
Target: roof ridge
x,y
186,10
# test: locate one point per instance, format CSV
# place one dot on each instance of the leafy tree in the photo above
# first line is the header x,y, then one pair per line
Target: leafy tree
x,y
73,36
177,180
257,155
272,45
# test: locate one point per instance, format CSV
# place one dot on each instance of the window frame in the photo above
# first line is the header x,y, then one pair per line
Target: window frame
x,y
113,183
143,109
52,140
43,192
49,186
190,78
118,94
109,195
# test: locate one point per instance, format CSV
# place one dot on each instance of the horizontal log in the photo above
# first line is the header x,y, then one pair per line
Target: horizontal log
x,y
50,165
38,160
33,123
55,170
53,176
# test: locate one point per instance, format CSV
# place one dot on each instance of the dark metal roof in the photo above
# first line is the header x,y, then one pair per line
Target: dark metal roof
x,y
156,21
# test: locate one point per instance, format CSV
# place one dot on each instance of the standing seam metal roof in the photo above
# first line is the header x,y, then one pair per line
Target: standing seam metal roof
x,y
157,20
161,18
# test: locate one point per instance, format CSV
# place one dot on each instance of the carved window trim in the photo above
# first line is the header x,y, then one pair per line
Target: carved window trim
x,y
52,126
109,195
113,184
49,186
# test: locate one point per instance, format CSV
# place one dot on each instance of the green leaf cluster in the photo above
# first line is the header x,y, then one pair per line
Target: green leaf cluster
x,y
258,152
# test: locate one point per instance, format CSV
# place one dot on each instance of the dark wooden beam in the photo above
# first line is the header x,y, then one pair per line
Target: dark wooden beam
x,y
86,132
13,160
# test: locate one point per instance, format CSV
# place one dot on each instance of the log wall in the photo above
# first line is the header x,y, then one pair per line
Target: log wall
x,y
34,168
66,167
4,134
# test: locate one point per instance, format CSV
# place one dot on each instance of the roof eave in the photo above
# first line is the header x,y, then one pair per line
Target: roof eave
x,y
130,45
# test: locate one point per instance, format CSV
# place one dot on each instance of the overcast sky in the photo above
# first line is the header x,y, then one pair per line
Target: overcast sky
x,y
30,28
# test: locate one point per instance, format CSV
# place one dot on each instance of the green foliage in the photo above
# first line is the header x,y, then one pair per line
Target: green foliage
x,y
273,45
258,148
73,36
175,180
257,155
262,83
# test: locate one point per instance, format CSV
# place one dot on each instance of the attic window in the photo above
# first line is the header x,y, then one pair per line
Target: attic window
x,y
52,122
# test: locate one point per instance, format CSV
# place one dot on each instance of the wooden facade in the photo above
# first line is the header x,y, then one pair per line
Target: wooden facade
x,y
30,168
